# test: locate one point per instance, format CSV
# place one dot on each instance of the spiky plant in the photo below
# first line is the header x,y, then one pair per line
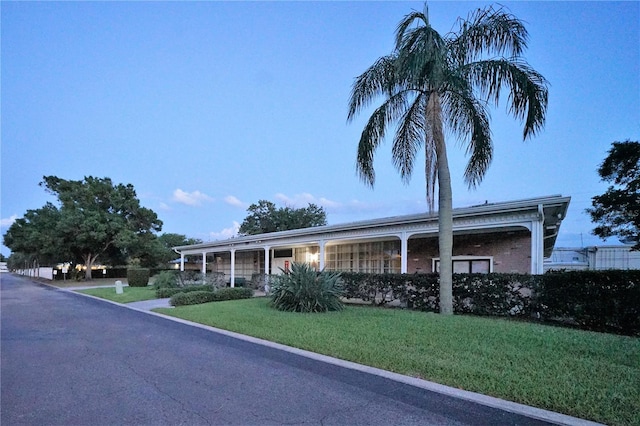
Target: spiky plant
x,y
304,290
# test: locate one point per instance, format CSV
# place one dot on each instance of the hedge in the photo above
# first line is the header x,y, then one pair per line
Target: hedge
x,y
594,300
138,277
162,293
200,296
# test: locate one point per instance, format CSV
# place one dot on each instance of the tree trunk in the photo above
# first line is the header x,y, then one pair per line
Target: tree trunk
x,y
445,209
88,263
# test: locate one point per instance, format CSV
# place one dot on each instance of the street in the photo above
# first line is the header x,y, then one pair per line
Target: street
x,y
71,360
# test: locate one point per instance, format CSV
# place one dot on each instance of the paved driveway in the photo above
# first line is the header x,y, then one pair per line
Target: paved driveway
x,y
68,359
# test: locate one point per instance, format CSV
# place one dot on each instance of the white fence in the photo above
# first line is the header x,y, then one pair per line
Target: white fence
x,y
43,272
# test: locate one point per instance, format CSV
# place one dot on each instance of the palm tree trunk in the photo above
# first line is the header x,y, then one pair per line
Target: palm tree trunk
x,y
445,209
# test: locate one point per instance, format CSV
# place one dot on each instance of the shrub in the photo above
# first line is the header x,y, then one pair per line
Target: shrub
x,y
196,278
138,277
479,294
162,293
234,293
196,297
595,300
166,279
191,298
305,290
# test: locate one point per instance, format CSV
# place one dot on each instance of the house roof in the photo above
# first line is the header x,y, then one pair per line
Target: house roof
x,y
553,208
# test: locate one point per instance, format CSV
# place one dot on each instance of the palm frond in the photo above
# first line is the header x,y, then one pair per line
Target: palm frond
x,y
405,23
377,80
488,31
409,137
374,133
468,117
528,92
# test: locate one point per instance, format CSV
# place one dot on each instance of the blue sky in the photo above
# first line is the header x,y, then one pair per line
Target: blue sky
x,y
207,107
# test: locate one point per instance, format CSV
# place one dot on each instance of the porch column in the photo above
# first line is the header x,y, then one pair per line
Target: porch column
x,y
321,255
204,263
182,262
537,243
267,258
233,268
403,252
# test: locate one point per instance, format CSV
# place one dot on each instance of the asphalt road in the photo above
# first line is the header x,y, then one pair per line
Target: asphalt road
x,y
71,360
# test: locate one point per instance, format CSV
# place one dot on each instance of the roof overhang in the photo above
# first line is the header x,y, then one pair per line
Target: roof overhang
x,y
551,210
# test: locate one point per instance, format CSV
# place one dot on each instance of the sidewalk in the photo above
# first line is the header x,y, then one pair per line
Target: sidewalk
x,y
147,305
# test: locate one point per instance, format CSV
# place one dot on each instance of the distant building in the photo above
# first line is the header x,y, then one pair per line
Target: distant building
x,y
593,258
3,267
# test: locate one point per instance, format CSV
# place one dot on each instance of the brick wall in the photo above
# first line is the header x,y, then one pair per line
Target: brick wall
x,y
511,250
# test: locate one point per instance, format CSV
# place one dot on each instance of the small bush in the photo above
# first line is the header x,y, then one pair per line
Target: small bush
x,y
191,298
196,278
166,279
203,296
234,293
138,277
305,290
162,293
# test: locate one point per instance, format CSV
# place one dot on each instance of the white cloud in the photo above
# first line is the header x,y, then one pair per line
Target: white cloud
x,y
8,221
194,198
164,206
304,199
226,233
235,202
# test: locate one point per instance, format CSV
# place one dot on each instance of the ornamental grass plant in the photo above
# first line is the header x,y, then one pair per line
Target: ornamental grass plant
x,y
302,289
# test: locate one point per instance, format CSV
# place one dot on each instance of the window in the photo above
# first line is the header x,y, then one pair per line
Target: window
x,y
468,265
277,253
373,257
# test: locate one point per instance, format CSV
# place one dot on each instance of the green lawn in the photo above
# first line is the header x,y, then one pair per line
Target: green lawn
x,y
589,375
130,294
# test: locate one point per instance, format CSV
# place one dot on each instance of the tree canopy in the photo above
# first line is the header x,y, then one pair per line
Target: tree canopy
x,y
430,82
265,217
94,219
617,211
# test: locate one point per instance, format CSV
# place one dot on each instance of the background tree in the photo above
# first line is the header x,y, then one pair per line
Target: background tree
x,y
166,243
617,211
265,217
34,237
95,218
430,82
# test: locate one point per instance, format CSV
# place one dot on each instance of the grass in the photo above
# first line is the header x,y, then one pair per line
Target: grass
x,y
129,294
584,374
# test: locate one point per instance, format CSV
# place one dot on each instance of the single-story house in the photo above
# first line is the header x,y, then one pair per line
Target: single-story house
x,y
512,236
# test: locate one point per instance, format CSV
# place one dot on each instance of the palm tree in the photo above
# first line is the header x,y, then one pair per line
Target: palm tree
x,y
432,82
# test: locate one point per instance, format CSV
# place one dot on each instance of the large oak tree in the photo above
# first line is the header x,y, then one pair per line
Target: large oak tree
x,y
93,218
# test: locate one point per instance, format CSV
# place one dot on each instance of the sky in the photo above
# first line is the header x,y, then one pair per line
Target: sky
x,y
208,107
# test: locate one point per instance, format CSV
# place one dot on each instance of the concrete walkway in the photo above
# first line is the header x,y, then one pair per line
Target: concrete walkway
x,y
147,305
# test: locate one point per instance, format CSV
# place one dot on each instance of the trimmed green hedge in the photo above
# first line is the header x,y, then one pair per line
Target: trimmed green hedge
x,y
138,277
200,296
162,293
593,300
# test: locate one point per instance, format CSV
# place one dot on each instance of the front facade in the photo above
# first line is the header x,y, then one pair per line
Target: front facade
x,y
498,237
